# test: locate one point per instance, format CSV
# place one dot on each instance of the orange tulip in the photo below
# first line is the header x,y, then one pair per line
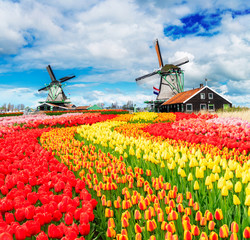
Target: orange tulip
x,y
224,232
138,236
164,225
188,211
213,236
186,225
138,229
195,230
234,227
209,215
203,236
234,236
142,205
246,233
147,215
196,206
218,214
211,225
160,217
168,209
117,204
173,215
168,236
203,221
187,235
151,225
111,223
137,215
111,233
171,227
188,195
198,216
121,237
180,208
152,237
125,222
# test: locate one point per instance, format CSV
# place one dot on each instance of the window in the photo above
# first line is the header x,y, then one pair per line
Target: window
x,y
189,107
182,107
202,95
178,108
203,106
210,96
210,107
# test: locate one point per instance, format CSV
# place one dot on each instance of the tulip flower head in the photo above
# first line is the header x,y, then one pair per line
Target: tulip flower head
x,y
218,214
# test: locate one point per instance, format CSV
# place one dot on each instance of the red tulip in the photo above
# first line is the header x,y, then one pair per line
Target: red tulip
x,y
5,236
9,218
29,212
84,229
21,233
68,218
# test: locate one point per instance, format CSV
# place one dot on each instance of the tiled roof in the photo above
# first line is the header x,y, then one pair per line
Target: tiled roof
x,y
181,97
82,107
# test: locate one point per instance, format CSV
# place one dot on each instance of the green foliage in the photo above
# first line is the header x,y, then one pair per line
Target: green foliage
x,y
233,109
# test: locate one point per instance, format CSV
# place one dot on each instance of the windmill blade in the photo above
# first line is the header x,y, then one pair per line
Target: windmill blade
x,y
146,76
44,88
158,51
64,79
51,74
181,61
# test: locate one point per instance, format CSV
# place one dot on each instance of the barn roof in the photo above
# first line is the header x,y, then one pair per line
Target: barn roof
x,y
181,97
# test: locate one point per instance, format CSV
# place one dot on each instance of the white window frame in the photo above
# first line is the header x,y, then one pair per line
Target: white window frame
x,y
203,105
210,109
189,104
212,96
202,94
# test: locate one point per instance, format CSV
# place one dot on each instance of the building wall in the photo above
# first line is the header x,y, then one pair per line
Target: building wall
x,y
217,102
196,101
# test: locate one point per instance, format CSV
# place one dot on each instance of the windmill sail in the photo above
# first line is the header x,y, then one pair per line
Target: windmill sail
x,y
171,77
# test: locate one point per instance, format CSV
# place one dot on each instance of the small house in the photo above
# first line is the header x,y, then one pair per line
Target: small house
x,y
203,98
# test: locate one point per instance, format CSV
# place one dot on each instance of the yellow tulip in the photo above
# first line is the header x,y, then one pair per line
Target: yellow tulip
x,y
208,181
196,185
224,191
190,177
247,201
236,200
238,187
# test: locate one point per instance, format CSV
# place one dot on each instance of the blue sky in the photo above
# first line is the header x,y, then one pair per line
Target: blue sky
x,y
108,43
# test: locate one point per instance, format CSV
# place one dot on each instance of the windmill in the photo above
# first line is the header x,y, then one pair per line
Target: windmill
x,y
171,76
56,94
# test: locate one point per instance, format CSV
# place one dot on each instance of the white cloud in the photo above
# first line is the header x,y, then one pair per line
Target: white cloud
x,y
118,35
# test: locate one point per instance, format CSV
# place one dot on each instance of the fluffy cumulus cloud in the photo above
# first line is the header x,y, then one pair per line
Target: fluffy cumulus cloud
x,y
115,38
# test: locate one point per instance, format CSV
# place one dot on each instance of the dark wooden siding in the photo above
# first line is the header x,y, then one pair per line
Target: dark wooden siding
x,y
217,100
196,102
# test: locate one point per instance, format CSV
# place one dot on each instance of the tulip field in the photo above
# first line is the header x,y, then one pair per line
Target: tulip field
x,y
124,176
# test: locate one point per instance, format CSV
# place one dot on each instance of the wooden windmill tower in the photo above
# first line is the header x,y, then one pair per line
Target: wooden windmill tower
x,y
171,77
56,95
